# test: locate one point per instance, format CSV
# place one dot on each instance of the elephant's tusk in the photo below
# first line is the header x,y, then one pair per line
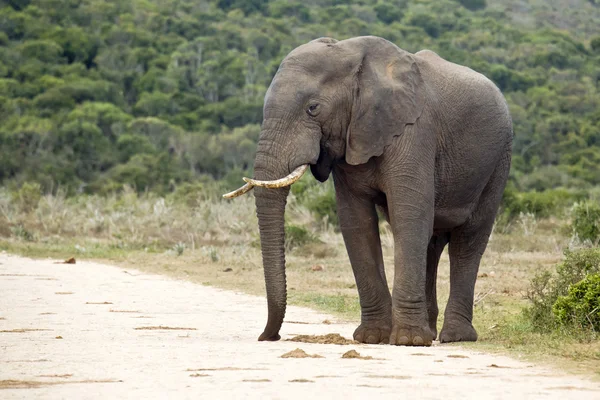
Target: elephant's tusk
x,y
244,189
279,183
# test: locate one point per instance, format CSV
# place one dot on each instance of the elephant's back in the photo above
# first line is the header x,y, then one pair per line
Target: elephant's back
x,y
435,68
459,94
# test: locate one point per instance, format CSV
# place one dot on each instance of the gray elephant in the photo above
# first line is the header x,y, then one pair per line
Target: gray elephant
x,y
426,140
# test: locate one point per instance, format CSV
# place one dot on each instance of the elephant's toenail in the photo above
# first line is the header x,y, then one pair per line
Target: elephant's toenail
x,y
418,341
403,340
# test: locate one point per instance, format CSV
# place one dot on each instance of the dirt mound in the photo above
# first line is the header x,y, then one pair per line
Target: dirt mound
x,y
332,338
299,353
355,354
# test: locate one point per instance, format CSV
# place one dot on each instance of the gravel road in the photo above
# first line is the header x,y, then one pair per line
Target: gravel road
x,y
87,331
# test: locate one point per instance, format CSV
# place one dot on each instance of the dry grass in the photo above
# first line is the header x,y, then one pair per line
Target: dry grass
x,y
214,243
129,221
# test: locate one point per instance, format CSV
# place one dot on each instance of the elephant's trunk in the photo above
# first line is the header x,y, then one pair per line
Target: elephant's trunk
x,y
270,209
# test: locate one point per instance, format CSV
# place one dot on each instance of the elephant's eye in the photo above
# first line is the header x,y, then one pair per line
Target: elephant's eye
x,y
313,110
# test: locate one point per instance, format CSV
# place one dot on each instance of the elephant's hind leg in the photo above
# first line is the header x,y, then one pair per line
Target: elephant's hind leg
x,y
360,228
467,245
434,251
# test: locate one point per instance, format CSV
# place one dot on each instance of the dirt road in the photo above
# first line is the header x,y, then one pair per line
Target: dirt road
x,y
85,331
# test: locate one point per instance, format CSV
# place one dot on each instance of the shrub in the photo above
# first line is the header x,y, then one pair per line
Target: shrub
x,y
540,204
21,233
320,200
429,23
595,44
473,5
388,13
130,145
179,248
546,288
581,307
586,221
190,194
28,196
296,236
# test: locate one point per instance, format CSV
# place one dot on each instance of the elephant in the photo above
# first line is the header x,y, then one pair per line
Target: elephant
x,y
425,140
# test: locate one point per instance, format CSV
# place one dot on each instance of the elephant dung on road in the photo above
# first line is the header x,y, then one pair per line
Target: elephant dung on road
x,y
426,140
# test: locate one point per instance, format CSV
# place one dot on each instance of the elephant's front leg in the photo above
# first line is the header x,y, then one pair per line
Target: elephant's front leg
x,y
360,229
412,224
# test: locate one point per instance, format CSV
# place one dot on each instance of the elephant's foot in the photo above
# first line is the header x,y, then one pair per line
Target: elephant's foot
x,y
264,337
432,317
373,332
433,326
406,335
454,331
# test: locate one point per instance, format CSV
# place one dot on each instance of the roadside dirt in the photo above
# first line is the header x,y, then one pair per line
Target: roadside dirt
x,y
135,335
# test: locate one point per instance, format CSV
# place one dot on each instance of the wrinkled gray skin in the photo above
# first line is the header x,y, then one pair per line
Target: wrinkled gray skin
x,y
427,141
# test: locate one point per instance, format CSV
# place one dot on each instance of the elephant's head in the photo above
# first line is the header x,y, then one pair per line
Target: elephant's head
x,y
330,101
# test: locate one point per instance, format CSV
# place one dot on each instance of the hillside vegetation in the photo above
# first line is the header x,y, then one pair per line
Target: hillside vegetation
x,y
95,94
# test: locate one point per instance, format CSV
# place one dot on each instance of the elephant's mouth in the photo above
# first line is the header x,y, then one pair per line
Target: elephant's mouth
x,y
278,183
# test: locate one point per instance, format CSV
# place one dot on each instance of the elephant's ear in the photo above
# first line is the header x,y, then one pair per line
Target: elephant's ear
x,y
389,95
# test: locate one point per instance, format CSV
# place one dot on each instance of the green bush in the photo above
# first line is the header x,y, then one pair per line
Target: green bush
x,y
595,44
473,4
297,236
189,194
428,22
388,13
541,204
546,288
581,307
321,202
193,194
28,196
318,198
21,233
586,221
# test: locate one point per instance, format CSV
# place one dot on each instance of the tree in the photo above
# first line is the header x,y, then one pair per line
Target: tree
x,y
473,4
595,44
388,13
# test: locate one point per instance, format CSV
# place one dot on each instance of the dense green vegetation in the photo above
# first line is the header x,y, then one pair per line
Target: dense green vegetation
x,y
570,296
581,307
95,94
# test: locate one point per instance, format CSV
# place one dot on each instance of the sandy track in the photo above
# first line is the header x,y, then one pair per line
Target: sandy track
x,y
86,331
